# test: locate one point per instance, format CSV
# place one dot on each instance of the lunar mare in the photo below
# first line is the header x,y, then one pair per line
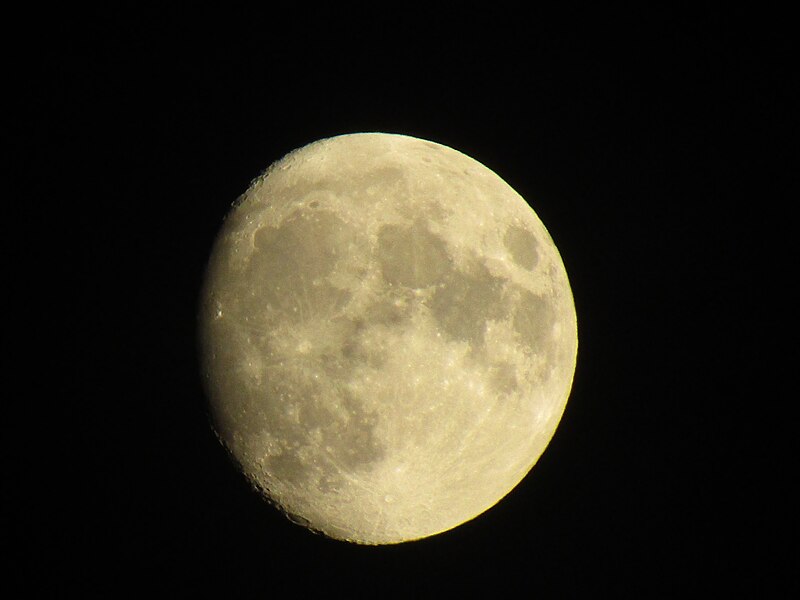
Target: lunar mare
x,y
388,337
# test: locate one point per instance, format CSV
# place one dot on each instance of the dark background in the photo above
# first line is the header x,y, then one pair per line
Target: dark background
x,y
650,145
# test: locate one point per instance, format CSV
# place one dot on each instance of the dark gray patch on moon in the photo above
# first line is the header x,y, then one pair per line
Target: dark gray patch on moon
x,y
533,321
392,308
463,302
288,266
287,467
522,246
356,350
503,378
411,256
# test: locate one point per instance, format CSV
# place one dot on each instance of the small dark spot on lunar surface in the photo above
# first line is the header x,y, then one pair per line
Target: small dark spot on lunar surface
x,y
503,379
357,350
522,244
392,309
287,467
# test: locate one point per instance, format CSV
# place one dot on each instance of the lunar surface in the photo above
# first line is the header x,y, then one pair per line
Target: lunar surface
x,y
388,337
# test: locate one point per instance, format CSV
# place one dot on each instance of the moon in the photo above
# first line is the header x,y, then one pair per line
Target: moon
x,y
388,337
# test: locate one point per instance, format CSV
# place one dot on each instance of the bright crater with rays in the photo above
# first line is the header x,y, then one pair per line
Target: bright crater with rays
x,y
388,337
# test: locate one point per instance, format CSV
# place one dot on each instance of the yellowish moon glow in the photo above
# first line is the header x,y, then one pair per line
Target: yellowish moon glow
x,y
388,337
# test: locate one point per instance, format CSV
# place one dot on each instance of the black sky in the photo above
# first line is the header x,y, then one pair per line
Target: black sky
x,y
648,143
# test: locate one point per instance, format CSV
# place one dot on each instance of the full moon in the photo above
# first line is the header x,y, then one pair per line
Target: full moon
x,y
388,337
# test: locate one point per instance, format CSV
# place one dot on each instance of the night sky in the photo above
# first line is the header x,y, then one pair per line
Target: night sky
x,y
646,142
